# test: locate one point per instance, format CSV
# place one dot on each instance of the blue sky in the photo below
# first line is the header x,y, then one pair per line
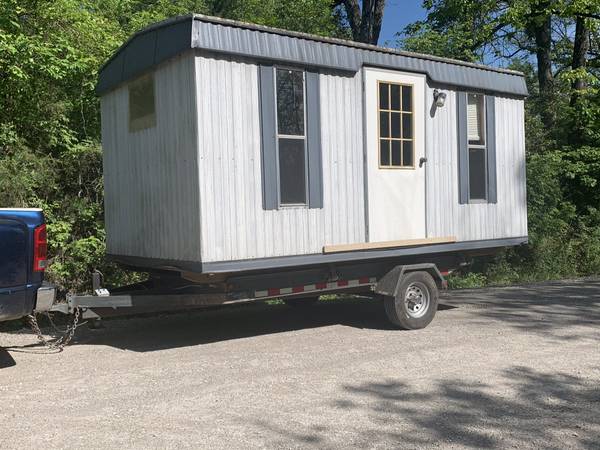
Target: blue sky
x,y
398,14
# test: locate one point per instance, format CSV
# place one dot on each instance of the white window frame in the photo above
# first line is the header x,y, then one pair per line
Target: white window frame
x,y
303,137
482,146
401,139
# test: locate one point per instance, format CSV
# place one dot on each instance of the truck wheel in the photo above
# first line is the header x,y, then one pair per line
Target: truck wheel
x,y
416,303
301,302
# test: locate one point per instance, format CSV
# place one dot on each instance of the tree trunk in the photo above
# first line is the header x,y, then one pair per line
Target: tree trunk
x,y
581,47
366,23
539,28
543,42
372,16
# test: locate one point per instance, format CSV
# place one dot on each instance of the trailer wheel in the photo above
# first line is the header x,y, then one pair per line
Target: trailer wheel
x,y
301,302
416,302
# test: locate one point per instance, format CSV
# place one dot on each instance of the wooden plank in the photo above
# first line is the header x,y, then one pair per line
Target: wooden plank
x,y
387,244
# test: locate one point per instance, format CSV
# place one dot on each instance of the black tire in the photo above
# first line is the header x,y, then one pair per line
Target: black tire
x,y
407,314
302,302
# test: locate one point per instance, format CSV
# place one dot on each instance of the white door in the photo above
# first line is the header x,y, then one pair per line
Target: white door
x,y
395,121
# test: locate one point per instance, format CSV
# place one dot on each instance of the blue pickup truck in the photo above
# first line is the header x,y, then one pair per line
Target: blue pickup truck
x,y
23,250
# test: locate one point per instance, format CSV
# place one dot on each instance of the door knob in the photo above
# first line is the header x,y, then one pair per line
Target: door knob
x,y
422,161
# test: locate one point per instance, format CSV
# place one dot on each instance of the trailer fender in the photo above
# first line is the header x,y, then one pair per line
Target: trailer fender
x,y
389,284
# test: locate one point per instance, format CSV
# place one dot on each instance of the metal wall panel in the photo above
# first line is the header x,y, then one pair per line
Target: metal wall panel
x,y
151,176
445,216
234,224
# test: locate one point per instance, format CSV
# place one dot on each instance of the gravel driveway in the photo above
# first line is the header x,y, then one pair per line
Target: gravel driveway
x,y
508,367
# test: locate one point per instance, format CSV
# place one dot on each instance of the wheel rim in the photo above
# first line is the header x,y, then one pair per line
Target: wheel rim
x,y
416,300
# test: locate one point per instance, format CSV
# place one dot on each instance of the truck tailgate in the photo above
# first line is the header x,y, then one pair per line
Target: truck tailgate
x,y
17,294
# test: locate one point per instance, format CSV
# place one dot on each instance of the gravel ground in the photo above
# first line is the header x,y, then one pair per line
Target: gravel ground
x,y
511,367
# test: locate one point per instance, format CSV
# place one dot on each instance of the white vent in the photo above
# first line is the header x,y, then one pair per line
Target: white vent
x,y
475,117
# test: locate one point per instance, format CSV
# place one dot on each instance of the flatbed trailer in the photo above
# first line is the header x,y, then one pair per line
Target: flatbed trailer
x,y
409,291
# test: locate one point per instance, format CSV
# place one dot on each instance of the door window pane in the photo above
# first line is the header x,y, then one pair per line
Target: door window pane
x,y
397,153
290,102
292,171
407,132
384,124
384,153
406,98
384,96
408,156
395,97
395,125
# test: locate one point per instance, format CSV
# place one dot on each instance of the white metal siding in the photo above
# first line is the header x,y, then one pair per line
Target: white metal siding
x,y
234,224
445,217
151,176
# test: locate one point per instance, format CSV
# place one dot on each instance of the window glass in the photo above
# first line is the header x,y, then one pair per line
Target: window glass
x,y
291,139
407,98
384,152
407,126
290,102
407,153
292,178
142,112
395,97
395,126
384,124
475,119
384,96
477,171
396,153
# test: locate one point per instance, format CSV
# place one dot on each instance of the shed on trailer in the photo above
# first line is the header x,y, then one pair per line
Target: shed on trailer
x,y
234,147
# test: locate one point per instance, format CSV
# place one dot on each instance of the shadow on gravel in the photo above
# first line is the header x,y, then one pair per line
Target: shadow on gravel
x,y
528,409
234,322
5,359
560,310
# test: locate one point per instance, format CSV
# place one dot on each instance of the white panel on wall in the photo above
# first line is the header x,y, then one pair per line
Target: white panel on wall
x,y
150,176
234,224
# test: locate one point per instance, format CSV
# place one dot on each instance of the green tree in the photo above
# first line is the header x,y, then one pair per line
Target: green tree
x,y
555,43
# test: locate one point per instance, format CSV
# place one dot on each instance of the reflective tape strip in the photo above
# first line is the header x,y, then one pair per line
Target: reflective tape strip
x,y
332,285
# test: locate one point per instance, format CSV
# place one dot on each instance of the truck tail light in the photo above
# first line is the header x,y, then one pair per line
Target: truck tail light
x,y
40,249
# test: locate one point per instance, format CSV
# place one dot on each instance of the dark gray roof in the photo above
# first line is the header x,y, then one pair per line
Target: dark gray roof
x,y
166,39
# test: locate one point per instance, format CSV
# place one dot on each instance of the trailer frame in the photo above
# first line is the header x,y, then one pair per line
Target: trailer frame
x,y
164,292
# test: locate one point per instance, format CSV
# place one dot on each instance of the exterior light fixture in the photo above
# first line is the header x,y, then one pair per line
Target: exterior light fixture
x,y
439,98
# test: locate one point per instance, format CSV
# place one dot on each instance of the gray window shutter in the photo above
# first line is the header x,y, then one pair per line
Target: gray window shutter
x,y
313,132
269,137
463,148
490,107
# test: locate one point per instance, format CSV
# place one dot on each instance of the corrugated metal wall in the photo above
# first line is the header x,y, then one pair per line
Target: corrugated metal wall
x,y
445,217
234,223
151,176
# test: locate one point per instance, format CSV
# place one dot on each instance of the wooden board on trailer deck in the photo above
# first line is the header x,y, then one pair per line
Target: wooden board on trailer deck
x,y
387,244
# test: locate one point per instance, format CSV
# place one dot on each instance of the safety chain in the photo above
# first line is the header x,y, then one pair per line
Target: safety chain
x,y
62,341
